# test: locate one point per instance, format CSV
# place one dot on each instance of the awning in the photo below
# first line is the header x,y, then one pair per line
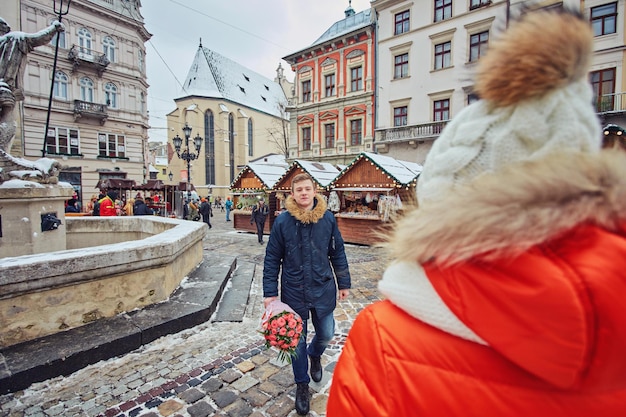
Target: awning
x,y
116,184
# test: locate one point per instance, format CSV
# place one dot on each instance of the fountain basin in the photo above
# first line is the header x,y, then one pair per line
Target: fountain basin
x,y
111,265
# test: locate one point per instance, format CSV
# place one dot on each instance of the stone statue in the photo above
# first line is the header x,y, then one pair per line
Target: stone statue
x,y
14,46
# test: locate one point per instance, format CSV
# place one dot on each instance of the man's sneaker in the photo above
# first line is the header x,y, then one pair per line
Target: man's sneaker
x,y
302,399
316,368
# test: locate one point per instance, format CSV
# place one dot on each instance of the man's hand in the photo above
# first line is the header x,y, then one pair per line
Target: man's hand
x,y
343,294
268,300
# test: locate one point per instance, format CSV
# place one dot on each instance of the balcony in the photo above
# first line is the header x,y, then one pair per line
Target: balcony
x,y
88,58
611,103
90,110
424,131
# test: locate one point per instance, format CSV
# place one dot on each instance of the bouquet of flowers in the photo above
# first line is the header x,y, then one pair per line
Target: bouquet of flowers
x,y
282,328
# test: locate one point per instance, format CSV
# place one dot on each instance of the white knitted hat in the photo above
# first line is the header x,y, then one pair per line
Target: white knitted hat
x,y
535,99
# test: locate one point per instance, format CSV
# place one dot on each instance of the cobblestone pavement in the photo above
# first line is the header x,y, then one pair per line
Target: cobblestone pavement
x,y
213,369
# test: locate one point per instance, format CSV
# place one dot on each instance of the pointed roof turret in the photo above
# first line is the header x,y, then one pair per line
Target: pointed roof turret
x,y
349,11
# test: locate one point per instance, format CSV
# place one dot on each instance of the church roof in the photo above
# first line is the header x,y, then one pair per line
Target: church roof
x,y
214,76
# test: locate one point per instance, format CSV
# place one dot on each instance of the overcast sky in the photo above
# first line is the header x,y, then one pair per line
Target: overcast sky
x,y
254,33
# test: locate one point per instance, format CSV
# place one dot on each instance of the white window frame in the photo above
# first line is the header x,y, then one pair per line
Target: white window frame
x,y
108,48
111,145
73,140
60,86
87,89
110,95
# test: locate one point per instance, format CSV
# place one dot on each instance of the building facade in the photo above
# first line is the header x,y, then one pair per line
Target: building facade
x,y
427,53
238,114
98,125
607,76
332,108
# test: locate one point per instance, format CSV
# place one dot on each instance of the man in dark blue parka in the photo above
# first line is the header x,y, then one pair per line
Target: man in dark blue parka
x,y
307,244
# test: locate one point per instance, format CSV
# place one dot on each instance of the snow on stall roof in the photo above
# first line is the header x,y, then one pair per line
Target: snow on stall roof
x,y
268,173
403,171
323,172
214,76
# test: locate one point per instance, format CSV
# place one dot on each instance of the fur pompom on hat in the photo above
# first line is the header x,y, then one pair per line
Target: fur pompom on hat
x,y
534,99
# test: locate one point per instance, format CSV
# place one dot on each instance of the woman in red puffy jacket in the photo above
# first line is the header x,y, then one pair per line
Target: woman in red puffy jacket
x,y
505,297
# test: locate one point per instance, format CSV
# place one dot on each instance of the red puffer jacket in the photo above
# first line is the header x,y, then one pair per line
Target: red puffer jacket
x,y
526,318
107,207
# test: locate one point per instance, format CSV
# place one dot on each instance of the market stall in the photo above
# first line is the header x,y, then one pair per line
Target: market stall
x,y
370,191
157,196
322,173
255,181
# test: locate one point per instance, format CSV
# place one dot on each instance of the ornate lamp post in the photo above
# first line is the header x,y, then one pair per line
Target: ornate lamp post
x,y
187,155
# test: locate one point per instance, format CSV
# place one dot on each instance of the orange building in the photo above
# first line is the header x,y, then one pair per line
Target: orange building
x,y
333,103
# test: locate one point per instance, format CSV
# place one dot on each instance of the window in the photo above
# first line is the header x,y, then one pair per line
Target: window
x,y
400,116
356,132
603,19
329,135
306,138
475,4
401,66
61,36
110,93
86,89
356,78
111,145
472,98
59,88
443,10
330,85
441,110
140,60
603,85
250,138
60,140
84,41
142,103
443,55
108,47
478,45
402,23
306,91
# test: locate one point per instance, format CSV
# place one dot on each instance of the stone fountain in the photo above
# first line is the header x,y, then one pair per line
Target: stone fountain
x,y
53,278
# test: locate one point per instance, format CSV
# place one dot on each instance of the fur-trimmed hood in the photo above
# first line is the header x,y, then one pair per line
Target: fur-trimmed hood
x,y
504,214
307,216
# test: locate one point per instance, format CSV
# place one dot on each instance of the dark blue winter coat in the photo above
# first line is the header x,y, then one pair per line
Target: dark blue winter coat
x,y
309,247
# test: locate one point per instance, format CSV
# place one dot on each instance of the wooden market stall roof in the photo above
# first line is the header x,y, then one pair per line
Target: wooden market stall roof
x,y
377,173
258,176
116,184
322,173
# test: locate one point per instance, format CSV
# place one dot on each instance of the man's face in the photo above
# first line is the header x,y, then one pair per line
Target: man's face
x,y
303,193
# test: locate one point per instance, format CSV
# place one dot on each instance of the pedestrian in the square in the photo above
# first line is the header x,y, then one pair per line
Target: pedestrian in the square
x,y
305,252
229,206
206,211
258,217
505,297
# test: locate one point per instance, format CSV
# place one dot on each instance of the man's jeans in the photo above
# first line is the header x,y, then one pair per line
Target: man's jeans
x,y
324,332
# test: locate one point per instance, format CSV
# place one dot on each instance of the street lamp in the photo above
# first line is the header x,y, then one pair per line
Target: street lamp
x,y
187,155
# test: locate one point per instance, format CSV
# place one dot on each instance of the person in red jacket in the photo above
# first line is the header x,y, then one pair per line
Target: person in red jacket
x,y
107,204
505,294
